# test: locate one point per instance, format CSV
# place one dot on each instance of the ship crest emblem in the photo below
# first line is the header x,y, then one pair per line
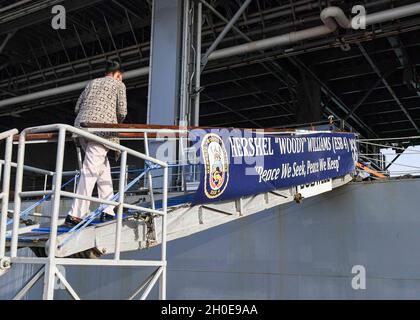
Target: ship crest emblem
x,y
216,165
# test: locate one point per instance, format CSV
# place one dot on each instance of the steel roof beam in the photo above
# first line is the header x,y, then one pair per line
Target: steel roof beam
x,y
253,107
362,100
230,123
134,14
334,98
403,57
265,94
42,15
385,82
247,38
364,91
227,28
232,110
14,5
6,40
390,100
241,94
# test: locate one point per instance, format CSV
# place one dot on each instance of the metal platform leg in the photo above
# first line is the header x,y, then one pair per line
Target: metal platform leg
x,y
162,286
50,268
5,192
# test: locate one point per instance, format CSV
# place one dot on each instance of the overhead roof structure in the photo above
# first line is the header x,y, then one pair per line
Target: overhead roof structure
x,y
367,77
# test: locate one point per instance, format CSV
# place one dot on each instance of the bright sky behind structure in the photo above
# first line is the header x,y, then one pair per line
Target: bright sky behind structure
x,y
407,163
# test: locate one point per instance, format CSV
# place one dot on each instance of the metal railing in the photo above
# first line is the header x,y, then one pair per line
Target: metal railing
x,y
6,166
179,135
391,157
49,264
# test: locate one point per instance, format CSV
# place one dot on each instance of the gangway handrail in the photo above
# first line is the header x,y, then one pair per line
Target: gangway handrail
x,y
47,194
50,270
163,132
46,197
88,219
8,135
181,128
138,131
40,170
89,136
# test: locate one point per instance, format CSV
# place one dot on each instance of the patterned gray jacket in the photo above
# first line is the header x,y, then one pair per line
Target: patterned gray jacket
x,y
104,100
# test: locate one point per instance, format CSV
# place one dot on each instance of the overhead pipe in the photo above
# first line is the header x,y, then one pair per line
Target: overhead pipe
x,y
332,17
392,14
378,17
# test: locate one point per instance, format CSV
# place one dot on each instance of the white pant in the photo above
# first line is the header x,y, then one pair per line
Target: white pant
x,y
96,169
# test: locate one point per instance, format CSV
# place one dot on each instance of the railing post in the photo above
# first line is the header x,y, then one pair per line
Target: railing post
x,y
5,192
182,157
120,207
50,268
45,182
18,190
162,292
75,183
149,173
79,157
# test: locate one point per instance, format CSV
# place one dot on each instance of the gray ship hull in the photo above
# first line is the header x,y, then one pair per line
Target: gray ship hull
x,y
293,251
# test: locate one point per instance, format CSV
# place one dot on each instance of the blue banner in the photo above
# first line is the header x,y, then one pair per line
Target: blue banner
x,y
240,163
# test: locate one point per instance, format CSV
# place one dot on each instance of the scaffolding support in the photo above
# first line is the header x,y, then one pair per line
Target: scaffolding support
x,y
8,136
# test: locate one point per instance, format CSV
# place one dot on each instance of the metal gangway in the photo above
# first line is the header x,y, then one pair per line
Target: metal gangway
x,y
161,212
54,239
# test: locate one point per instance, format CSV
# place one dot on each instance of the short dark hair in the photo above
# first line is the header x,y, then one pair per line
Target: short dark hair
x,y
112,67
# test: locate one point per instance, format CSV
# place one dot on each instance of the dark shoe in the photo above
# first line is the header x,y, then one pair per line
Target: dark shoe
x,y
106,217
71,221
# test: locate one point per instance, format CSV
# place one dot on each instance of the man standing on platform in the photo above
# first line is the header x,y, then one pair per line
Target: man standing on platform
x,y
104,100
